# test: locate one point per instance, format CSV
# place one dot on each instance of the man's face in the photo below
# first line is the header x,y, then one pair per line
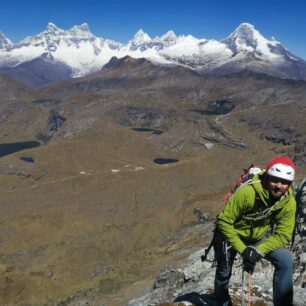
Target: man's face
x,y
277,186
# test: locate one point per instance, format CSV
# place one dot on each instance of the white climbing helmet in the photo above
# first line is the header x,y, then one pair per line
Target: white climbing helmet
x,y
281,167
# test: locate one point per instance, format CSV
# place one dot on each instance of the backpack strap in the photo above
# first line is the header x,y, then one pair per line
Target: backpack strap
x,y
255,215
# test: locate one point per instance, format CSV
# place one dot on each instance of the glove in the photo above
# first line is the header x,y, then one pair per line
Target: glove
x,y
250,257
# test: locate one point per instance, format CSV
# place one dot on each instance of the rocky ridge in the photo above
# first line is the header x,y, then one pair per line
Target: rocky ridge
x,y
193,282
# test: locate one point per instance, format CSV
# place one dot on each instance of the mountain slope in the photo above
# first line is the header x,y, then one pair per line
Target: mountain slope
x,y
38,71
126,73
11,89
93,215
20,117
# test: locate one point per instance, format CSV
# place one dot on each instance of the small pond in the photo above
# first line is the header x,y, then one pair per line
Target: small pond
x,y
47,102
216,107
27,159
9,148
164,161
155,132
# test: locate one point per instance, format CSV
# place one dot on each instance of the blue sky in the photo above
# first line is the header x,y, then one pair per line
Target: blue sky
x,y
120,20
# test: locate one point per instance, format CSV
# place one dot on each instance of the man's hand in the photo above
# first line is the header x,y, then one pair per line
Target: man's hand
x,y
250,257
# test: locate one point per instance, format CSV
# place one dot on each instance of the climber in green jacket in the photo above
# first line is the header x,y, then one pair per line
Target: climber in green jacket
x,y
258,221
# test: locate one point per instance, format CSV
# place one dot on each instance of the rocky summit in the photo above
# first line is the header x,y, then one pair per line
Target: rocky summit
x,y
100,177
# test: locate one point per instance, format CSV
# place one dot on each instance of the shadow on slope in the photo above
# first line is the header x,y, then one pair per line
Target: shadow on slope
x,y
197,299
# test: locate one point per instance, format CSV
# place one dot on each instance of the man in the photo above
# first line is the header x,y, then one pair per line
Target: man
x,y
245,227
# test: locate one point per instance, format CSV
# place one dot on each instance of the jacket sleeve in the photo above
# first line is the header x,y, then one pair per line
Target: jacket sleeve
x,y
285,221
236,206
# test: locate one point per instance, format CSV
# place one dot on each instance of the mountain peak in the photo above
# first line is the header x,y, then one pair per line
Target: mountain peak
x,y
170,35
51,27
82,31
83,27
125,63
244,31
4,41
245,26
141,37
245,37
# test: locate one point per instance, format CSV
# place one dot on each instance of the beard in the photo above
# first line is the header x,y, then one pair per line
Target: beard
x,y
276,192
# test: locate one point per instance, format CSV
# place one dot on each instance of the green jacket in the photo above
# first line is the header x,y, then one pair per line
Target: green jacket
x,y
253,198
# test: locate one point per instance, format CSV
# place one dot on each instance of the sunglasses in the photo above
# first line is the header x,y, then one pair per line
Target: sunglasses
x,y
275,180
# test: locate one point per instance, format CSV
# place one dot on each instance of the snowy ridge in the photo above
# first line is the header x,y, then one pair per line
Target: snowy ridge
x,y
84,53
4,41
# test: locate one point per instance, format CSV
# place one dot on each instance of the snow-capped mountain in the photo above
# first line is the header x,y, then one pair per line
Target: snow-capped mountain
x,y
79,52
4,41
78,48
247,38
